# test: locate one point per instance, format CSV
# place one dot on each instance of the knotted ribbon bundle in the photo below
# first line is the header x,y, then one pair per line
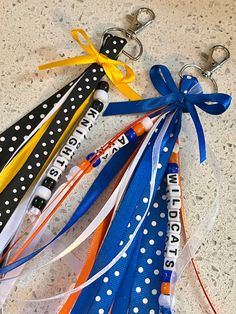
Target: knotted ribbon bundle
x,y
126,274
183,100
29,145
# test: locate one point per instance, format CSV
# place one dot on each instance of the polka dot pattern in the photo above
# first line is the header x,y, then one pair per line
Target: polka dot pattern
x,y
15,189
137,287
14,136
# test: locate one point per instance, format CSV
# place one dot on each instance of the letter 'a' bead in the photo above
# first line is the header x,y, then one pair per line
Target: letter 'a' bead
x,y
122,140
43,192
174,239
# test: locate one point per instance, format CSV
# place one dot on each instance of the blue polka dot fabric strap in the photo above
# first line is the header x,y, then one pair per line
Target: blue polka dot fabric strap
x,y
118,283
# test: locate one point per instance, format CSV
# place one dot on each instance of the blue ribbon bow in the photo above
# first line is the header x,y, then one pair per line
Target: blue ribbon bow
x,y
183,99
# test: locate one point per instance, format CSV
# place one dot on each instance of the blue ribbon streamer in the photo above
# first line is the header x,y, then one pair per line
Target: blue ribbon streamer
x,y
113,166
186,98
131,205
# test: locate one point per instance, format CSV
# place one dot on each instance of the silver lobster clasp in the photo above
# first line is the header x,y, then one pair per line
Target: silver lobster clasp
x,y
138,21
212,63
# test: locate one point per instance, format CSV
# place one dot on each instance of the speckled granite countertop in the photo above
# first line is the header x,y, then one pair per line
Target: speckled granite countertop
x,y
34,32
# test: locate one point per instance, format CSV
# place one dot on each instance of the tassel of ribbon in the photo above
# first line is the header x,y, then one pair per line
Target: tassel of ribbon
x,y
186,98
110,66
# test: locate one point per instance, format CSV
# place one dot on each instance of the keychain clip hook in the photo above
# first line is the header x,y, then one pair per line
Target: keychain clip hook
x,y
212,64
136,26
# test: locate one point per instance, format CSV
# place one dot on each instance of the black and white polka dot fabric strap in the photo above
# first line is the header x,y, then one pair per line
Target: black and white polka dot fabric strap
x,y
14,136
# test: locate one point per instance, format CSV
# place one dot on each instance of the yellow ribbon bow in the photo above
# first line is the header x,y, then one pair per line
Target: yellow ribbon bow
x,y
109,65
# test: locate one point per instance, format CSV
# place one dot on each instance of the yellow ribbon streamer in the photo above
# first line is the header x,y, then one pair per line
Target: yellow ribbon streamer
x,y
110,66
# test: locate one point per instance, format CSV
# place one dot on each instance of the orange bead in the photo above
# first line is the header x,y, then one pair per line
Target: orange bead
x,y
139,129
165,288
86,166
173,158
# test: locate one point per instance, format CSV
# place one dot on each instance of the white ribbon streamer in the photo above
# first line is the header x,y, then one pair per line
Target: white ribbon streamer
x,y
155,161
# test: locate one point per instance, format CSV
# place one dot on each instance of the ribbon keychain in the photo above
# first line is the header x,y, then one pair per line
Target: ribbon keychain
x,y
158,146
43,130
107,297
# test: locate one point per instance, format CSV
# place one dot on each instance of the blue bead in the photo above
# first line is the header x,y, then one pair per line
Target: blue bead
x,y
165,310
131,135
166,275
96,163
172,168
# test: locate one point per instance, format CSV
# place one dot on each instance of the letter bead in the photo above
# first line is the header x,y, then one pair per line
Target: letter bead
x,y
60,163
174,203
122,141
43,192
174,227
74,141
86,124
92,114
113,149
173,214
80,133
54,173
67,152
174,239
172,251
172,179
169,263
172,191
